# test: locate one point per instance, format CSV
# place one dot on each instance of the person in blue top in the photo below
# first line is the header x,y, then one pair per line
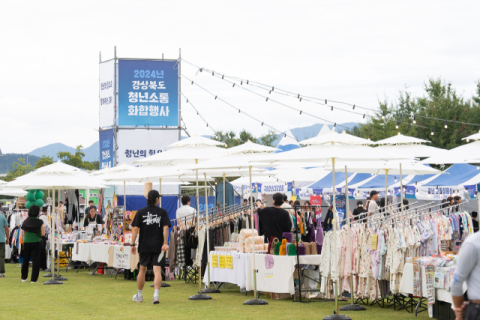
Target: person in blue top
x,y
4,235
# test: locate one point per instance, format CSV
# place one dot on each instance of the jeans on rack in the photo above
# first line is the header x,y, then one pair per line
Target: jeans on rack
x,y
31,250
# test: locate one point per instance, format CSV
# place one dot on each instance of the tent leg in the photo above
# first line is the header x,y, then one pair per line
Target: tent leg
x,y
52,246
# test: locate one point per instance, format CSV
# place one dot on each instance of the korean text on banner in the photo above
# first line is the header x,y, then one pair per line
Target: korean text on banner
x,y
106,149
107,101
141,143
148,93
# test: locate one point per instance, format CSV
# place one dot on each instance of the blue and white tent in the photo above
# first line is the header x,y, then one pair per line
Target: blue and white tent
x,y
462,180
287,143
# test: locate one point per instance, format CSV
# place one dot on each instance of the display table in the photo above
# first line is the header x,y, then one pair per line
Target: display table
x,y
235,275
275,273
406,285
120,257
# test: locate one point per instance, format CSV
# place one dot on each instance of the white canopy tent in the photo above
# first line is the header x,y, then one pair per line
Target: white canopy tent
x,y
409,146
56,176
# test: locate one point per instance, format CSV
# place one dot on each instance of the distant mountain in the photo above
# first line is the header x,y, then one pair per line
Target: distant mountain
x,y
7,160
51,150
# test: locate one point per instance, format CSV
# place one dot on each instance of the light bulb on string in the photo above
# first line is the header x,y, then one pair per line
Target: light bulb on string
x,y
363,116
432,133
383,115
266,100
239,111
395,179
325,101
446,125
353,107
396,127
414,119
332,108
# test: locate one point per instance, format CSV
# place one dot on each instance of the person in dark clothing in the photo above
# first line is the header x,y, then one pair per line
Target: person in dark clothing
x,y
358,211
152,223
405,204
474,221
275,220
92,217
327,223
32,231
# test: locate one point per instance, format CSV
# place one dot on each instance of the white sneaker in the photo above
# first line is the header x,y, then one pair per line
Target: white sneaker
x,y
155,300
24,280
33,282
137,298
2,275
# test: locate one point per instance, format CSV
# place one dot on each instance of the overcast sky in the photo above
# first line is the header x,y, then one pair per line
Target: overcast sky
x,y
353,51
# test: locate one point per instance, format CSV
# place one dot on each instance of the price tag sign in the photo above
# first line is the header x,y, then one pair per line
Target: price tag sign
x,y
229,260
373,242
221,261
214,260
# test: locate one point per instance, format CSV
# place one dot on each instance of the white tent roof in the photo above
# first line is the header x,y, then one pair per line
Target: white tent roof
x,y
119,168
475,136
185,155
2,182
250,147
12,192
236,161
343,138
467,153
380,167
413,150
287,142
401,139
196,141
324,130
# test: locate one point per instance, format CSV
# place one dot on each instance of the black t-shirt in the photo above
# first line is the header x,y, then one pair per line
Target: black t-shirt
x,y
98,220
275,222
151,221
357,213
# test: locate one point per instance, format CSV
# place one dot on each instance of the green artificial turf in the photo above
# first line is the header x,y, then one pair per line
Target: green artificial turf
x,y
101,297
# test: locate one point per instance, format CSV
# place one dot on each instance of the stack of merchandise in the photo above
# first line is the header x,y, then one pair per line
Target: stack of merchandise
x,y
248,240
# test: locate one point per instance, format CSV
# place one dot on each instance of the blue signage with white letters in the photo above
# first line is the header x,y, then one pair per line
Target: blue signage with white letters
x,y
106,148
148,93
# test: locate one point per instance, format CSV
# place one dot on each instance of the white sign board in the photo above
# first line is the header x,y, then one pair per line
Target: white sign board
x,y
138,144
107,95
121,257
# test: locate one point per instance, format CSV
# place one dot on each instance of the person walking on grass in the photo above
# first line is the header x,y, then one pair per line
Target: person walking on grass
x,y
152,223
4,236
32,232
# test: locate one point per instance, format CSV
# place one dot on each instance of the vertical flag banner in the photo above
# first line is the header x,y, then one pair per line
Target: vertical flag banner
x,y
148,93
106,149
107,101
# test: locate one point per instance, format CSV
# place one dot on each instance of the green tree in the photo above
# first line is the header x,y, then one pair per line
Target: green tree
x,y
76,159
43,161
19,169
269,138
231,139
441,101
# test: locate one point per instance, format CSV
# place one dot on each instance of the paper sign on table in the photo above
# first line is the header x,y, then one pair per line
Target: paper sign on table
x,y
214,260
229,261
221,261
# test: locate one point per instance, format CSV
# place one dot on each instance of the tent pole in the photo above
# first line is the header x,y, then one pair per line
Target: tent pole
x,y
199,296
352,306
206,227
124,196
386,187
401,187
52,239
224,194
254,301
335,220
160,191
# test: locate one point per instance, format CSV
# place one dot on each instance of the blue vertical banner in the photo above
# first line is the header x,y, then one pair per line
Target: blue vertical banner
x,y
148,93
410,192
106,148
289,186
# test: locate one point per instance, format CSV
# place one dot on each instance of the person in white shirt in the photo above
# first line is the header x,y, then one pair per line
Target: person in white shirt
x,y
372,205
185,211
287,207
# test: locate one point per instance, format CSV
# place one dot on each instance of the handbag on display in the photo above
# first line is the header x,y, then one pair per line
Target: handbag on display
x,y
283,248
301,249
288,236
271,245
291,249
307,249
313,248
277,247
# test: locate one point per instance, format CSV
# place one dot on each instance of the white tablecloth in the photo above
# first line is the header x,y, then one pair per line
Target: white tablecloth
x,y
406,285
279,277
237,275
89,252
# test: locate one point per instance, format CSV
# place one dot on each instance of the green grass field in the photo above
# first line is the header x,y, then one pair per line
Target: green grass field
x,y
101,297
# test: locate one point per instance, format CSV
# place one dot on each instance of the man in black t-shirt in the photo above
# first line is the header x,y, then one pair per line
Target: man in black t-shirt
x,y
152,223
275,221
